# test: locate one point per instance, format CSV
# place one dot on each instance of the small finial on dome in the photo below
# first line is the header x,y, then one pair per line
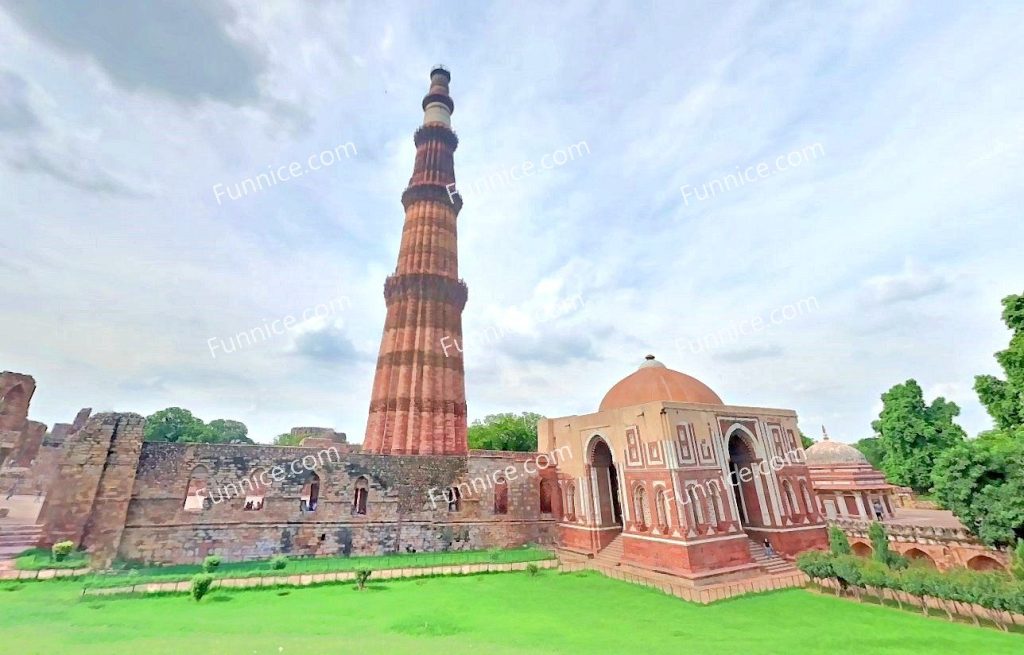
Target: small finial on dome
x,y
649,357
650,362
824,433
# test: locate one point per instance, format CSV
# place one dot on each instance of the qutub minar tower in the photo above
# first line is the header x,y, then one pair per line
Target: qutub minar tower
x,y
418,406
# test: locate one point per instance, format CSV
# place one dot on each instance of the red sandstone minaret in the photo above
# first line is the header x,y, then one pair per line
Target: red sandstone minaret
x,y
418,405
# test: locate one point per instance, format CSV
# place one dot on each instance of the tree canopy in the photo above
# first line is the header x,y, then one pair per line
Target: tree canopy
x,y
288,439
1004,399
912,434
177,425
871,448
505,431
982,480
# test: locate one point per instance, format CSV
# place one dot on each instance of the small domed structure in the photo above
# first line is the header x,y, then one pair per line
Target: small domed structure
x,y
829,453
653,381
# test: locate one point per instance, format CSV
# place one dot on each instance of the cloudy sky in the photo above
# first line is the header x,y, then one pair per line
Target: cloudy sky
x,y
880,255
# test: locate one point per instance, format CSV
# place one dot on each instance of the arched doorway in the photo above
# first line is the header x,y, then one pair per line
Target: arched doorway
x,y
605,479
920,558
745,477
984,563
862,549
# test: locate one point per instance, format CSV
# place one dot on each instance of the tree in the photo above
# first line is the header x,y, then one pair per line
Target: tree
x,y
288,439
1004,399
838,544
505,432
175,425
228,431
872,450
912,434
982,482
1017,560
806,441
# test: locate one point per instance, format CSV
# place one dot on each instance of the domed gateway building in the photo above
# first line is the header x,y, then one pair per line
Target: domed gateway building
x,y
674,479
847,486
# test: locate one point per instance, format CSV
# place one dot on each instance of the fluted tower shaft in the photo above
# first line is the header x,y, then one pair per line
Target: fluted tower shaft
x,y
418,404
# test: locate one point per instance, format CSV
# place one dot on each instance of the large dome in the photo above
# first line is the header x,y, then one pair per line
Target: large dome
x,y
828,452
653,382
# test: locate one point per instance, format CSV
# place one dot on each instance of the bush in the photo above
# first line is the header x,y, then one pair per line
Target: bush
x,y
278,562
838,544
62,549
362,575
211,562
1017,560
201,584
532,569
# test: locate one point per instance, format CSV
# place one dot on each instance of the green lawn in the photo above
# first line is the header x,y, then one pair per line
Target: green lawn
x,y
257,568
500,613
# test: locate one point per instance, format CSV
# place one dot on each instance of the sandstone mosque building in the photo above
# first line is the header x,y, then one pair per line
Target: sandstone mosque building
x,y
664,476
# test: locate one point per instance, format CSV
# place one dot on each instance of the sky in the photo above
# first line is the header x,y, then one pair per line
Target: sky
x,y
876,228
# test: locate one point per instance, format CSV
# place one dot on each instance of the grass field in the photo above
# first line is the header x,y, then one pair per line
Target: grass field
x,y
500,613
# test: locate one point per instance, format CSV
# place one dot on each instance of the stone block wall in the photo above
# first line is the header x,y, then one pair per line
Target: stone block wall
x,y
122,498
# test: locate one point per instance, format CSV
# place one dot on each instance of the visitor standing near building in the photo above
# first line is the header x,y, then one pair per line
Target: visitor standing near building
x,y
768,548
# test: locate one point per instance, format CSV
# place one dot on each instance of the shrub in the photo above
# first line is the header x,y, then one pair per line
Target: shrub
x,y
62,549
210,563
838,544
1017,561
362,575
201,584
278,562
532,569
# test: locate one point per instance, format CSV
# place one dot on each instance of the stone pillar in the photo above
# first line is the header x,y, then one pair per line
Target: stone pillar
x,y
88,503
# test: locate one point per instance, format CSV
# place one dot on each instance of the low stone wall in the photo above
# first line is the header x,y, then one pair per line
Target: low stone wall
x,y
945,548
306,579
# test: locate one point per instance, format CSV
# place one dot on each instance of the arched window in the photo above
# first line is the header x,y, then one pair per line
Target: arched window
x,y
640,506
255,490
713,515
310,496
545,496
570,501
661,505
794,507
196,496
14,398
501,496
694,506
808,501
362,493
454,497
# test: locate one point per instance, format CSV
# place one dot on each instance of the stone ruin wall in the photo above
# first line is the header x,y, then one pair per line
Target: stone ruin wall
x,y
947,548
122,498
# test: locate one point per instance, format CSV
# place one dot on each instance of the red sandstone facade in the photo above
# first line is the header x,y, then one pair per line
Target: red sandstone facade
x,y
418,404
680,482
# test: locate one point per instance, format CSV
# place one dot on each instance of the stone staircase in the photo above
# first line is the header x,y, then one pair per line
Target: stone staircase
x,y
16,538
610,555
772,564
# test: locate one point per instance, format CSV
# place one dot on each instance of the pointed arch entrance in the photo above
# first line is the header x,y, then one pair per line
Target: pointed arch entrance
x,y
605,480
745,479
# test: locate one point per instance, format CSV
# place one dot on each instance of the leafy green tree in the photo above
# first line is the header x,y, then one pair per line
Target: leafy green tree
x,y
879,542
175,425
838,544
1017,560
1004,399
982,482
872,450
288,439
505,432
806,441
228,431
912,434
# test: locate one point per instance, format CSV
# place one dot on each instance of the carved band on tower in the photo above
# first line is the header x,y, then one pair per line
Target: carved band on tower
x,y
418,406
